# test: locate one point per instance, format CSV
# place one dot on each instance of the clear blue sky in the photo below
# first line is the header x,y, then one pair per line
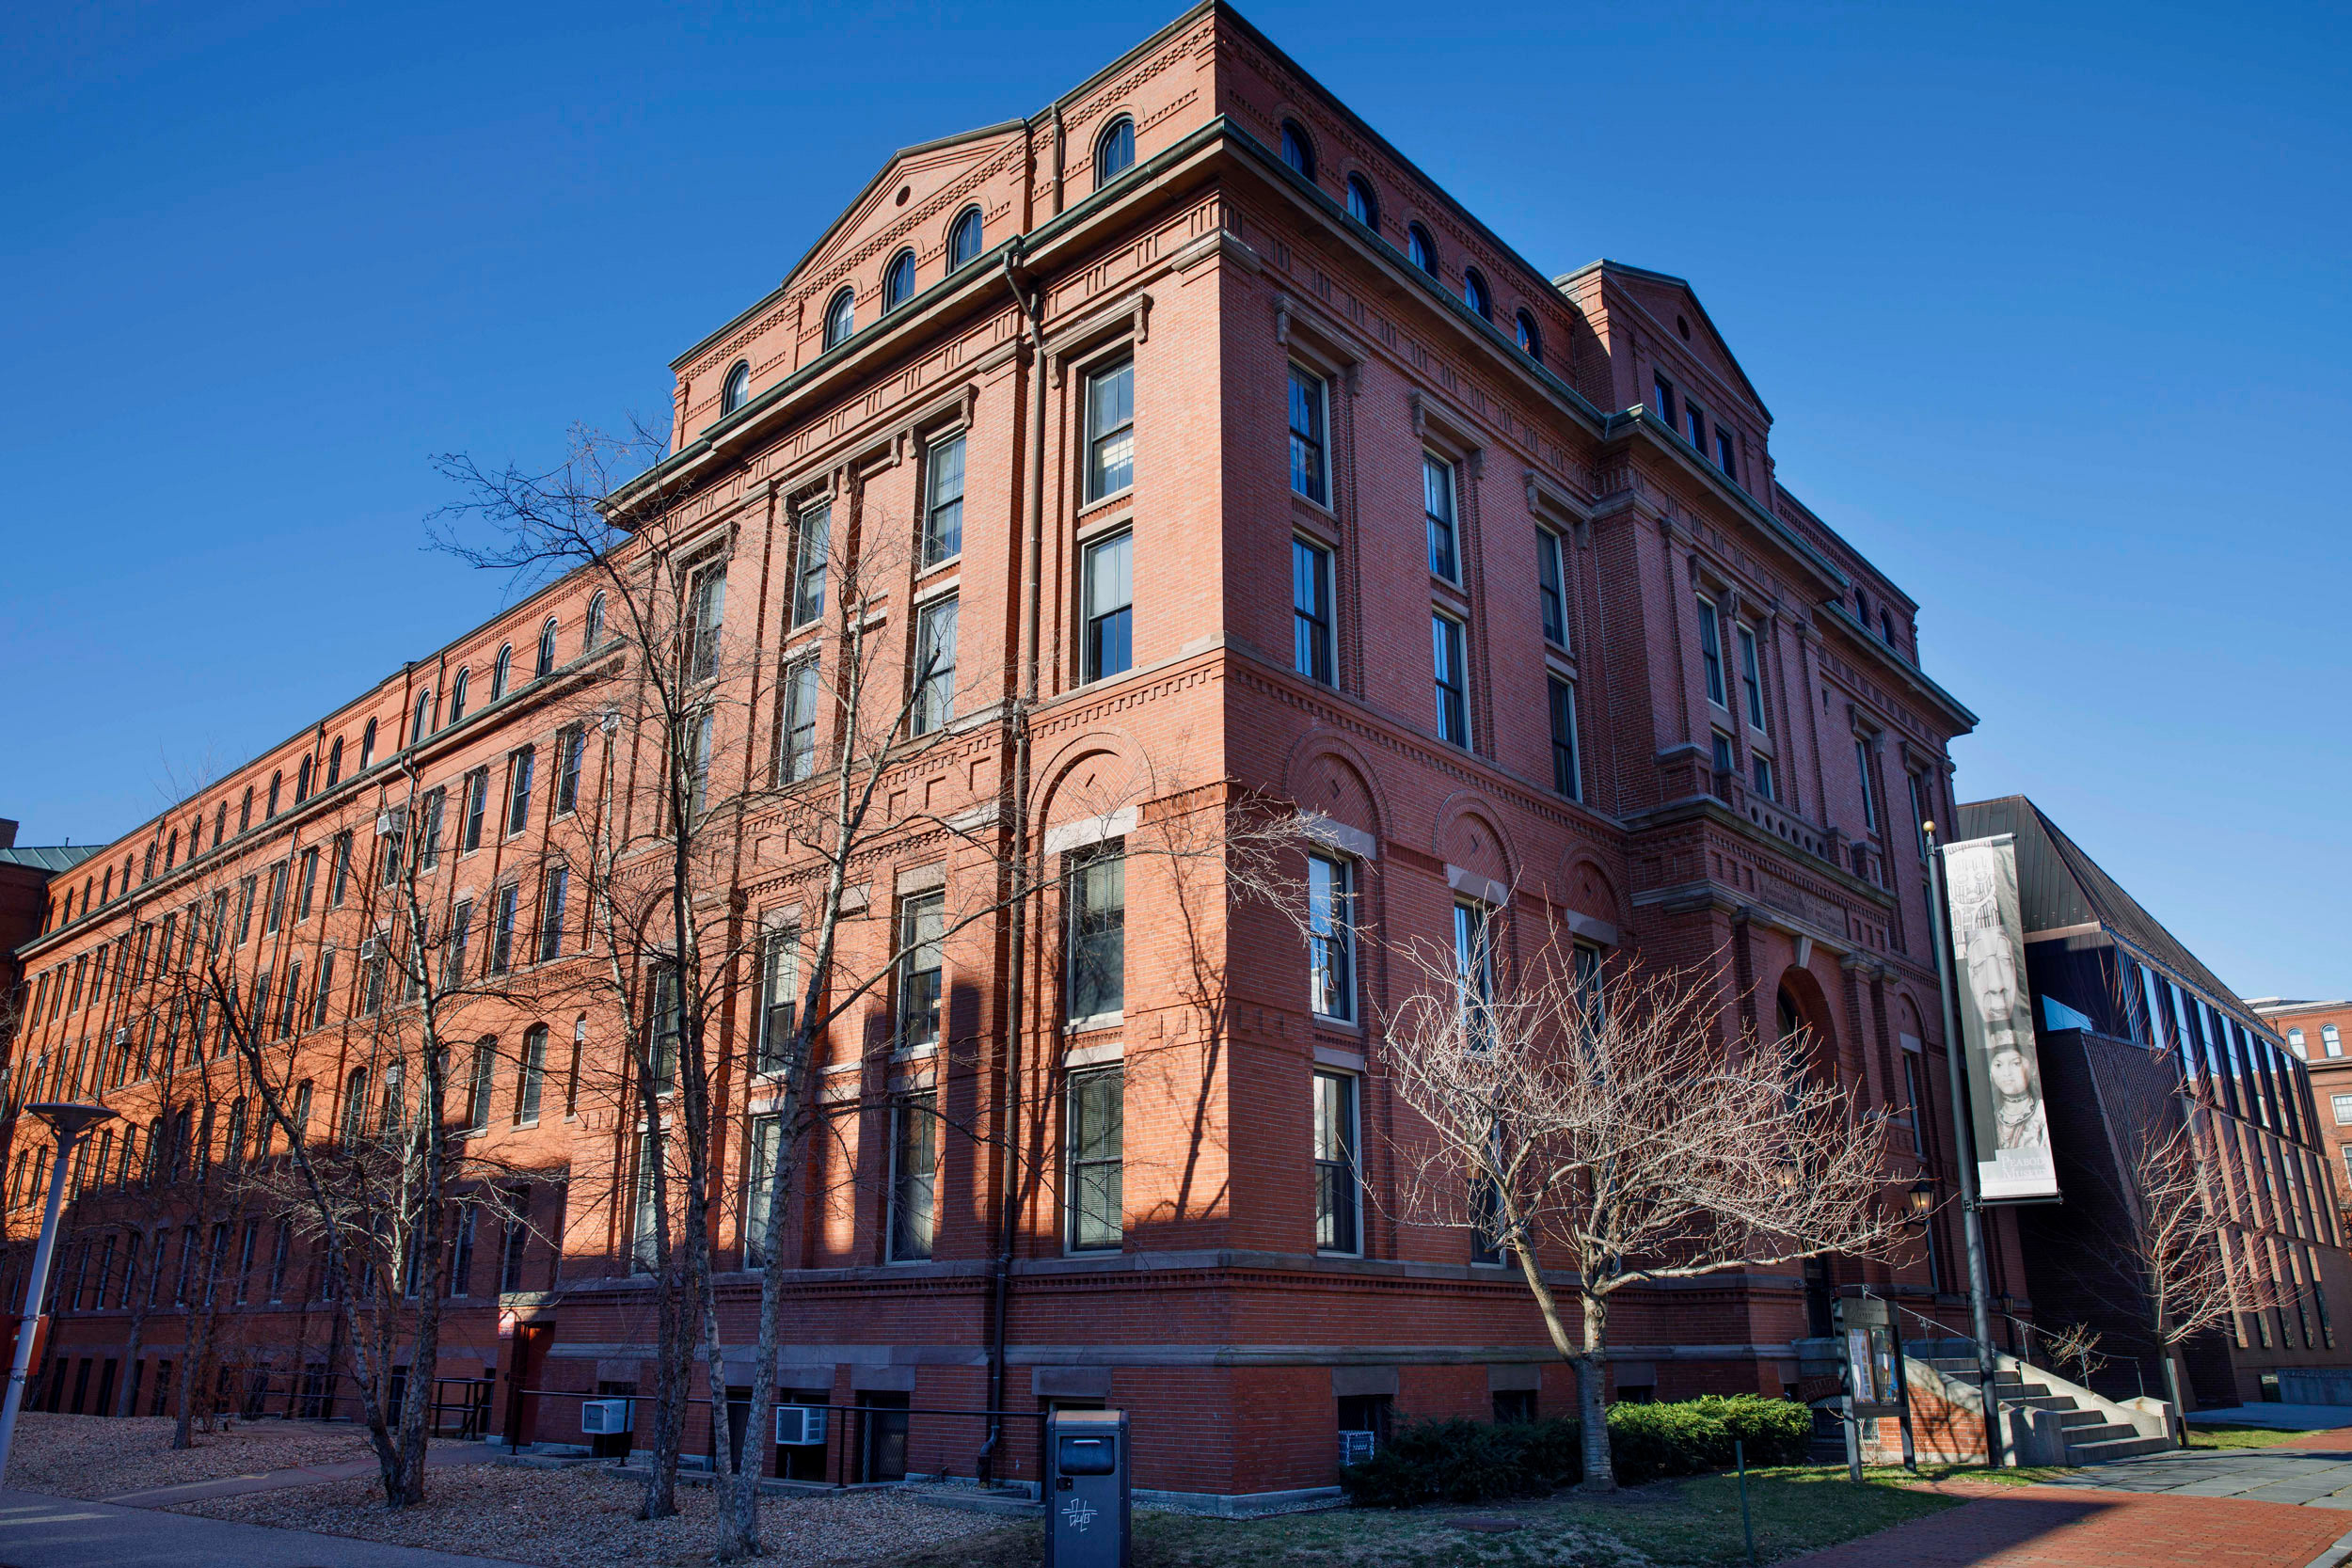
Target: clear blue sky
x,y
2050,304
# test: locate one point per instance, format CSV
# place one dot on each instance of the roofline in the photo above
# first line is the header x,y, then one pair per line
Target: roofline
x,y
1887,584
1911,676
1602,263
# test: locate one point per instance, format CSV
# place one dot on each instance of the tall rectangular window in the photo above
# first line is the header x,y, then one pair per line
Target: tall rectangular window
x,y
1098,930
571,744
557,884
1474,965
1308,475
922,921
514,1234
1551,585
935,667
1453,679
1110,593
306,890
779,997
502,928
477,806
453,950
1727,455
644,1231
1566,773
1331,936
943,511
914,1175
810,558
270,924
1712,651
1665,401
795,736
429,829
246,887
486,1061
669,1024
323,994
767,1147
1695,424
1110,431
1437,504
700,737
1097,1144
1869,796
706,617
1310,610
1751,677
1918,810
532,1084
519,791
1336,1181
1762,778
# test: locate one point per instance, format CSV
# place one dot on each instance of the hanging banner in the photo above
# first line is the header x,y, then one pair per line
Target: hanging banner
x,y
2013,1128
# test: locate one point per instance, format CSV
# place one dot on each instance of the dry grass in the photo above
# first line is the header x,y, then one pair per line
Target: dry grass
x,y
98,1456
585,1518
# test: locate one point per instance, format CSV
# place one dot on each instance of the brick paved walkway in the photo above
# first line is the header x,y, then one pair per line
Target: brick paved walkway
x,y
2038,1526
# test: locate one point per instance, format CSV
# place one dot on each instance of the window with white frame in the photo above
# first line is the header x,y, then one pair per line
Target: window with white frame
x,y
1567,768
571,744
1438,497
2331,1040
1751,677
706,617
1449,663
1551,585
1474,967
1110,593
518,790
914,1175
1712,651
943,509
502,904
1309,473
1110,433
668,1023
479,1084
553,889
1096,1140
935,666
922,923
1096,878
758,1188
779,997
1761,777
1862,771
812,554
2341,1103
532,1082
1338,1195
644,1237
796,731
700,736
1331,936
1310,611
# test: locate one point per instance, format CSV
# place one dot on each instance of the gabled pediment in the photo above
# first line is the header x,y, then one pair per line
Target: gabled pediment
x,y
1669,306
911,200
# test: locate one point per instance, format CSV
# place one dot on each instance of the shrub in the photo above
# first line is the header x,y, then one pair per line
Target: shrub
x,y
1459,1462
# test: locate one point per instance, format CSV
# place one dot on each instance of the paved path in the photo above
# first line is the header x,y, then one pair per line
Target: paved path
x,y
37,1531
2319,1476
437,1456
2038,1526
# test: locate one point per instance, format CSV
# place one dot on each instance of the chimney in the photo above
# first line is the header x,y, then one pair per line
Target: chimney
x,y
8,832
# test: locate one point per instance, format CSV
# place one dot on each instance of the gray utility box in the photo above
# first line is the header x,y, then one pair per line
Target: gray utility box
x,y
1087,1489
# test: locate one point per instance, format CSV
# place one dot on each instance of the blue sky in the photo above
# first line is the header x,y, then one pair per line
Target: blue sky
x,y
2050,304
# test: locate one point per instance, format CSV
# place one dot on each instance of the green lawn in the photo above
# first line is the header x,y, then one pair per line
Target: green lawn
x,y
2237,1438
1685,1524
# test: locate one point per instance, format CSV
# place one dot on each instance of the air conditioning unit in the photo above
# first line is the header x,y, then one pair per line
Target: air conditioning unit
x,y
604,1417
1356,1446
383,823
801,1424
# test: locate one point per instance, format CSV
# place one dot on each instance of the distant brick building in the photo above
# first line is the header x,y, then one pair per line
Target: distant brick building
x,y
2317,1033
1345,501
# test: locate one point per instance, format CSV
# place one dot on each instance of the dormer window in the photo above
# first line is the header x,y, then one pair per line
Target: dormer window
x,y
964,239
898,282
1297,150
738,390
1114,152
840,319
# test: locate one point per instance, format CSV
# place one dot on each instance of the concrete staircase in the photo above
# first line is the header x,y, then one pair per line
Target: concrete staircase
x,y
2090,1433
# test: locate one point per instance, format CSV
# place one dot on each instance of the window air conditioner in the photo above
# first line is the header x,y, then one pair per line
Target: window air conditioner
x,y
383,823
603,1418
1356,1446
801,1424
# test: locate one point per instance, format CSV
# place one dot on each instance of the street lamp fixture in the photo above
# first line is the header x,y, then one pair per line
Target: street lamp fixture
x,y
1922,1200
71,1121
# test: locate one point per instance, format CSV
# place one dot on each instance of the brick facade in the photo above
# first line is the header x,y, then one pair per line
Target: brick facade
x,y
1216,267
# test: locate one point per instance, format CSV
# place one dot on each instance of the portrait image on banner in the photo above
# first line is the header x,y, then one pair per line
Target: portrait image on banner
x,y
2012,1127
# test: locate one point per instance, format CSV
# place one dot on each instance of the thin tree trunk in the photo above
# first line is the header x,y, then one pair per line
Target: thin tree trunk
x,y
1588,1359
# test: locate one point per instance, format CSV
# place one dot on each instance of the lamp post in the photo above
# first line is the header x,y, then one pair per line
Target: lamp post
x,y
1964,1156
70,1122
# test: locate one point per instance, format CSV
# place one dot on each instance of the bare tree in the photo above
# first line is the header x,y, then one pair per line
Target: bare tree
x,y
1597,1121
2179,1244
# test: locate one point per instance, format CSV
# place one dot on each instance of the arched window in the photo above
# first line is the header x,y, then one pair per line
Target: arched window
x,y
367,746
395,1094
171,850
737,389
276,784
335,762
964,240
840,318
244,809
1421,249
458,695
592,628
1362,205
545,666
898,281
1114,152
1531,339
499,672
220,823
302,782
422,724
1297,150
1474,293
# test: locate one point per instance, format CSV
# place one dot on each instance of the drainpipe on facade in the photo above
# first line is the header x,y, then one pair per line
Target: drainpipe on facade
x,y
1017,965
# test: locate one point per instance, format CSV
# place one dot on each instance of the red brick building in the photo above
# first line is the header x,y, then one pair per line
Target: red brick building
x,y
1336,496
2317,1031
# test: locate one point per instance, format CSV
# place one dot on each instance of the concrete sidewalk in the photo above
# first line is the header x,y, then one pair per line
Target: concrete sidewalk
x,y
437,1456
2038,1526
37,1531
